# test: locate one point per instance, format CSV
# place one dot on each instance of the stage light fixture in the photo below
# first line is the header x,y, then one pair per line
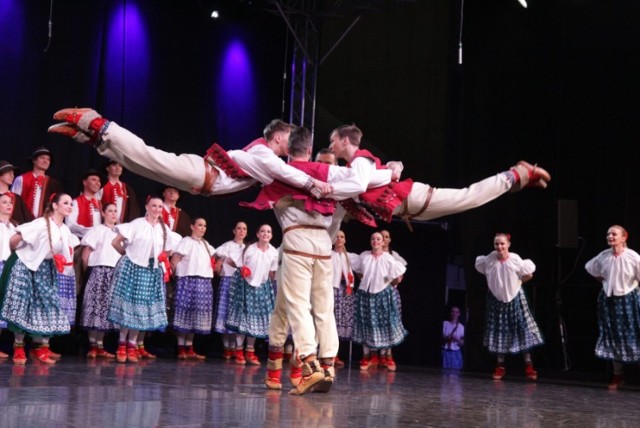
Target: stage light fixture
x,y
523,3
215,14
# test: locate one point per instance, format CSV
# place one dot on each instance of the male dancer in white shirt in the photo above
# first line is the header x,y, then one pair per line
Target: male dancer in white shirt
x,y
259,161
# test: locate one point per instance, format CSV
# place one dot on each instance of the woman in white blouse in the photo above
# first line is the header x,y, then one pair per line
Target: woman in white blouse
x,y
225,255
510,327
99,256
343,289
30,304
251,298
193,264
138,292
618,268
7,230
378,322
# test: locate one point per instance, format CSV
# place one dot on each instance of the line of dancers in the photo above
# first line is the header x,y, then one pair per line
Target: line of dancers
x,y
309,202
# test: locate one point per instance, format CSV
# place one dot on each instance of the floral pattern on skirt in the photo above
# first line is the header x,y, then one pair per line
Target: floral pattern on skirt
x,y
97,299
377,320
193,305
250,307
343,309
138,299
30,299
67,294
510,327
619,327
223,305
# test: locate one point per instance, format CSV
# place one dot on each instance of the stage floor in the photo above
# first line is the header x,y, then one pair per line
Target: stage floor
x,y
170,393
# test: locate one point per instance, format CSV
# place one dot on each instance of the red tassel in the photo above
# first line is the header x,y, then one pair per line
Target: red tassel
x,y
60,262
245,272
164,259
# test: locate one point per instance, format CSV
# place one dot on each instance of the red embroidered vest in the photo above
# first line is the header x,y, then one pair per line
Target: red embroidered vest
x,y
86,208
275,191
109,193
29,185
384,199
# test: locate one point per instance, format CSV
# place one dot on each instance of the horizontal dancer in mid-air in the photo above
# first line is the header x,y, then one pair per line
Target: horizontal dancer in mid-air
x,y
223,172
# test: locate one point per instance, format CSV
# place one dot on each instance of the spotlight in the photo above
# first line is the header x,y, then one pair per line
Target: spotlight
x,y
523,3
215,14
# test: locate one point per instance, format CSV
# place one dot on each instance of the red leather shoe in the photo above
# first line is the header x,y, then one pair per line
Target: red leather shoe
x,y
616,381
499,372
121,354
182,353
192,355
102,353
93,352
365,362
19,357
142,353
239,354
41,354
530,372
132,355
338,362
52,355
252,359
390,364
374,361
227,354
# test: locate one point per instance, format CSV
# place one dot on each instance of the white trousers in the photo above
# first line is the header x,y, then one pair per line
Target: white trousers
x,y
185,171
308,293
452,201
279,324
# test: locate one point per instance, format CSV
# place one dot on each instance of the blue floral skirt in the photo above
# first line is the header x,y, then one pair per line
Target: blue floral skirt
x,y
67,294
619,327
30,301
250,307
510,327
97,299
343,309
193,305
138,299
223,305
378,324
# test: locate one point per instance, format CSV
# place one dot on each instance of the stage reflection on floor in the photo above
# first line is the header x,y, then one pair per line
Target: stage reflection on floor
x,y
169,393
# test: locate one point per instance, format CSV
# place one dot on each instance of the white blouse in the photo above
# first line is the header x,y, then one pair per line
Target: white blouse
x,y
231,250
36,247
456,331
621,273
260,262
7,230
504,278
196,258
144,241
99,239
378,271
341,269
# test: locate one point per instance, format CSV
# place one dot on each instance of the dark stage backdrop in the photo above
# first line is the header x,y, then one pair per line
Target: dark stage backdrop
x,y
553,84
